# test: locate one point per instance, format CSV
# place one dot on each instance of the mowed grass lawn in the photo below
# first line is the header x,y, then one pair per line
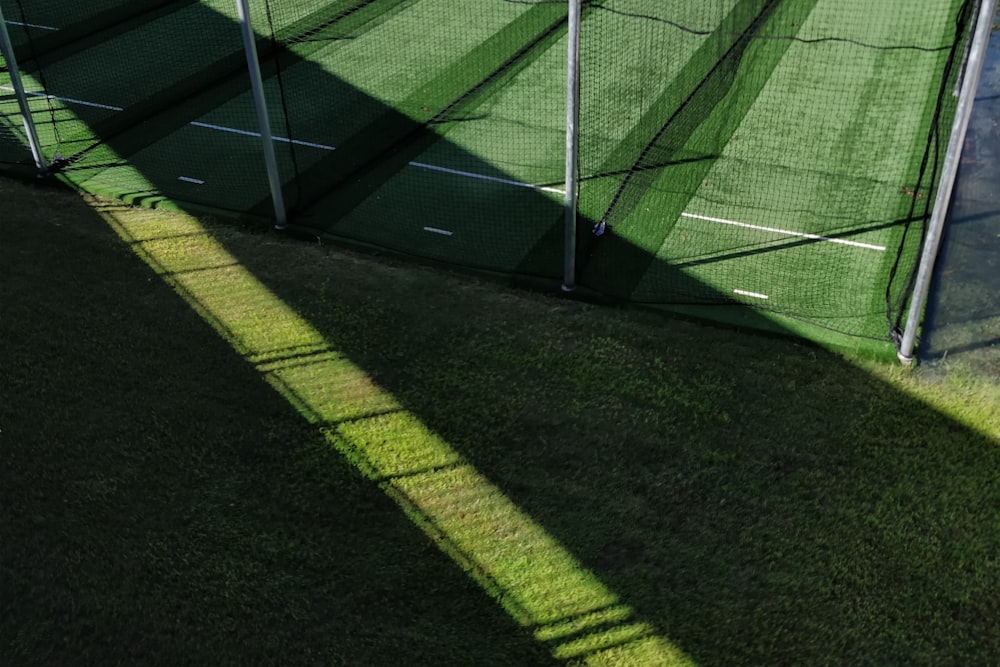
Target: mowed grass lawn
x,y
223,447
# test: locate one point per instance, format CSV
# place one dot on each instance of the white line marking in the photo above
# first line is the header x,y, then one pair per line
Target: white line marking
x,y
326,147
804,235
246,133
753,294
64,99
435,230
188,179
32,25
483,177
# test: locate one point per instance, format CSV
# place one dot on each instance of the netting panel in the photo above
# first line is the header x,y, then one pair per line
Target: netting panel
x,y
779,169
447,118
776,154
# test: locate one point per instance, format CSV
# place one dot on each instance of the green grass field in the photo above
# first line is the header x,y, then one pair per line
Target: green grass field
x,y
750,154
209,457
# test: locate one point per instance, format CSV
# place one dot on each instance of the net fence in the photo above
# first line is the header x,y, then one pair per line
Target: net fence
x,y
773,155
785,162
444,113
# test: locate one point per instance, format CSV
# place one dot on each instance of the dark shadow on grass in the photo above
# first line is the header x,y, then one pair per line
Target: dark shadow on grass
x,y
779,506
162,505
768,505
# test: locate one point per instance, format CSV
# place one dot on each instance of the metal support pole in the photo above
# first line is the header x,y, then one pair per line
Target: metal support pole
x,y
257,88
572,145
22,99
946,185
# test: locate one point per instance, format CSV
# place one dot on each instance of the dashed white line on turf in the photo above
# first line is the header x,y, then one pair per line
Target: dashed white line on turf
x,y
435,230
188,179
312,144
755,295
787,232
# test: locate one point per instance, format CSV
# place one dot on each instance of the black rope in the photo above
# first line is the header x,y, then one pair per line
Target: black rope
x,y
790,38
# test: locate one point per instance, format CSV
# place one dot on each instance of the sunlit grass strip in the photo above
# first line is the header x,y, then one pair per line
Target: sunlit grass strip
x,y
531,575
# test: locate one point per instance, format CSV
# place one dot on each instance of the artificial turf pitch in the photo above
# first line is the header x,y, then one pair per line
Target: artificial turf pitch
x,y
436,129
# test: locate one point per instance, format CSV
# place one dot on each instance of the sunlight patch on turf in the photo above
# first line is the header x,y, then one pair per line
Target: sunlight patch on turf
x,y
527,571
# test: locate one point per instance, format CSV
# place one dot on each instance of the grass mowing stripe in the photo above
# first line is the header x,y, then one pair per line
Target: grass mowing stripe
x,y
464,81
620,265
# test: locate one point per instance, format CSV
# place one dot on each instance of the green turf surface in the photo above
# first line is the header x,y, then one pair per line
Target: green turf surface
x,y
38,27
58,14
846,181
718,140
458,66
182,482
13,146
805,160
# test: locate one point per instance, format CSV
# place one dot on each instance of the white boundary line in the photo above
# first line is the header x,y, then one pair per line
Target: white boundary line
x,y
188,179
755,295
435,230
484,177
247,133
856,244
31,25
310,144
65,99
